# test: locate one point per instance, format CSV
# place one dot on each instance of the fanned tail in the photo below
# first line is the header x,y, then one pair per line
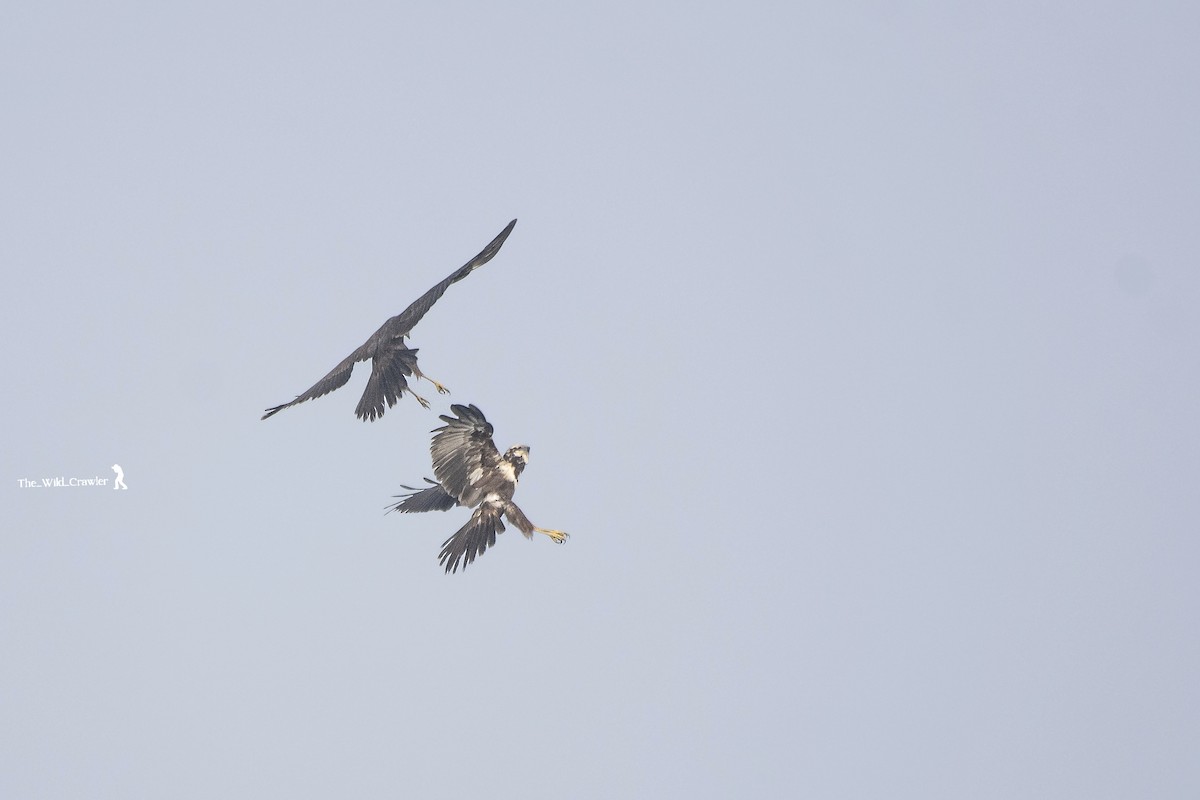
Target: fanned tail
x,y
416,501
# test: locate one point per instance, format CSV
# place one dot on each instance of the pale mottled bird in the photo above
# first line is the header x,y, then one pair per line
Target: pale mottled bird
x,y
471,472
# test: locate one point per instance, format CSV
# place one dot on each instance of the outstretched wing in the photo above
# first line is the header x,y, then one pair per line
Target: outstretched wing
x,y
465,460
431,498
336,379
473,538
407,319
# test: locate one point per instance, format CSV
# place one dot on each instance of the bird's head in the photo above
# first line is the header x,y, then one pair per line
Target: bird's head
x,y
518,454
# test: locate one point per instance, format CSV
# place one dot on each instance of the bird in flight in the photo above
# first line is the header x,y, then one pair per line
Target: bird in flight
x,y
392,361
471,472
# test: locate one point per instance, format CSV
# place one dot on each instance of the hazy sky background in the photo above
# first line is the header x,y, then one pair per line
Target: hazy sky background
x,y
857,346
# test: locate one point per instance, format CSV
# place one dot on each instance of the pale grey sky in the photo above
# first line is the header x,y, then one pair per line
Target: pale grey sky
x,y
856,344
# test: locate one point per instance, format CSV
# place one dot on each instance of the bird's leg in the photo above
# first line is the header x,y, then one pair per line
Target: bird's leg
x,y
558,536
440,387
424,403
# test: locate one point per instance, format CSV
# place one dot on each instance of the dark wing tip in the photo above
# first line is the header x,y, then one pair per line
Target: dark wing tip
x,y
487,253
273,410
466,415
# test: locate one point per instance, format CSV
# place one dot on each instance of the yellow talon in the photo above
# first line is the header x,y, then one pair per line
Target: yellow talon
x,y
436,384
558,536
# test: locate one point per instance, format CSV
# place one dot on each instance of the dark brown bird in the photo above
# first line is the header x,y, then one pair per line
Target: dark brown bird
x,y
471,472
392,361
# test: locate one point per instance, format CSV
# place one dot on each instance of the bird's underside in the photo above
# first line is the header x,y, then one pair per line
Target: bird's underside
x,y
471,472
392,361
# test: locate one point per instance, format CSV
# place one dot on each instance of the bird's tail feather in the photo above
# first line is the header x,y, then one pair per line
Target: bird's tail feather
x,y
431,498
